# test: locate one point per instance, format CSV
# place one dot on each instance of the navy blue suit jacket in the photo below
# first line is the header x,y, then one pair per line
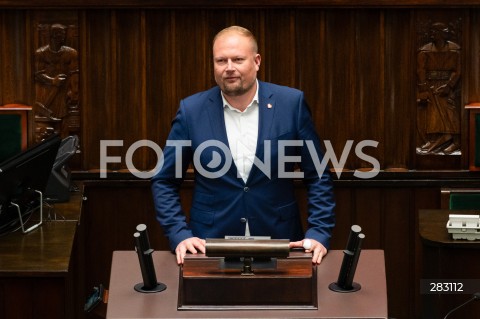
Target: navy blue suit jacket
x,y
221,199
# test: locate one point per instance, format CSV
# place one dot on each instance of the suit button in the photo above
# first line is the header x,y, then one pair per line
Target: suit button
x,y
246,189
243,220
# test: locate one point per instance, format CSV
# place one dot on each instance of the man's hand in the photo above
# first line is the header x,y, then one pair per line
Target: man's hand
x,y
316,248
193,245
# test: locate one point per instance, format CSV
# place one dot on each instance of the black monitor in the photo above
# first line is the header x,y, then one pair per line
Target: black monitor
x,y
23,179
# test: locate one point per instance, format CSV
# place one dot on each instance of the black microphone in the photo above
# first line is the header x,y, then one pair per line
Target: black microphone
x,y
351,255
144,252
475,296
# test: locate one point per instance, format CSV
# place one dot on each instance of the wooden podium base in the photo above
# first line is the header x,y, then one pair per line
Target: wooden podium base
x,y
206,283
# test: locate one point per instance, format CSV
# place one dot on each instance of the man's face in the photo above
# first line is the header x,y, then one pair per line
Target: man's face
x,y
235,63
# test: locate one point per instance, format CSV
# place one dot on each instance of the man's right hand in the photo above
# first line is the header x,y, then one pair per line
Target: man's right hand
x,y
192,245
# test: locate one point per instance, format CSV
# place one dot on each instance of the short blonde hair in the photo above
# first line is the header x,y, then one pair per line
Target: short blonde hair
x,y
239,30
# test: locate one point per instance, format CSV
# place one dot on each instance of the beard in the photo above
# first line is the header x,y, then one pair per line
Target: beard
x,y
237,88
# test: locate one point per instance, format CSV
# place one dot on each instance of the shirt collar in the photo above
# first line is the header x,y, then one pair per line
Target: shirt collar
x,y
254,100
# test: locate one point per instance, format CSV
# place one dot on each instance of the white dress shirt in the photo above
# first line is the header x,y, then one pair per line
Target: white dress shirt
x,y
242,134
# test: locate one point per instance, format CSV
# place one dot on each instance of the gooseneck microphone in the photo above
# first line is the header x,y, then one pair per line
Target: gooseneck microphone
x,y
475,296
144,252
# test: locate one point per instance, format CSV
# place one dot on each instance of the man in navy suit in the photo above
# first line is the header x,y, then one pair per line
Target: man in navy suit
x,y
245,138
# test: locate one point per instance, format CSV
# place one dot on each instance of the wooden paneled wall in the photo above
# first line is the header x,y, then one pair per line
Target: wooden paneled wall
x,y
357,67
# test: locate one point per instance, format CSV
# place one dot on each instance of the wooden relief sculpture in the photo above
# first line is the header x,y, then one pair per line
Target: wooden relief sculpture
x,y
438,70
56,84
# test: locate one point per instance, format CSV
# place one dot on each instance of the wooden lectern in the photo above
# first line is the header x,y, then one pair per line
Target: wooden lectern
x,y
216,283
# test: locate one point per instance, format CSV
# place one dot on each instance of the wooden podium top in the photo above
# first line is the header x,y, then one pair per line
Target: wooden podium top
x,y
369,302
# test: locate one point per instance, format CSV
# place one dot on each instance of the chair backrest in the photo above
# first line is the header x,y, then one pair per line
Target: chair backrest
x,y
13,129
460,198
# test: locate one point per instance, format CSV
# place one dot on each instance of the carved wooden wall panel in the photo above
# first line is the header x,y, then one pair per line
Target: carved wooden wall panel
x,y
56,70
439,86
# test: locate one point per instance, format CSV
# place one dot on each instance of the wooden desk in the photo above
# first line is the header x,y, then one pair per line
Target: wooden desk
x,y
432,224
36,277
125,302
446,258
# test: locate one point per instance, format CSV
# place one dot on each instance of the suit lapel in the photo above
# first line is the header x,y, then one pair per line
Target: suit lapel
x,y
217,118
219,131
266,113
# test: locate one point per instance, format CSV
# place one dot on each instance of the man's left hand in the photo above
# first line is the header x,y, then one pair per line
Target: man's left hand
x,y
316,248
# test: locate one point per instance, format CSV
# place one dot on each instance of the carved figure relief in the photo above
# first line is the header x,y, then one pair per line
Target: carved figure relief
x,y
56,84
438,71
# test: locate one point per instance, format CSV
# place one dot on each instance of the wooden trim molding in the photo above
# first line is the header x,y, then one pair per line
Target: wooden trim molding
x,y
235,3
